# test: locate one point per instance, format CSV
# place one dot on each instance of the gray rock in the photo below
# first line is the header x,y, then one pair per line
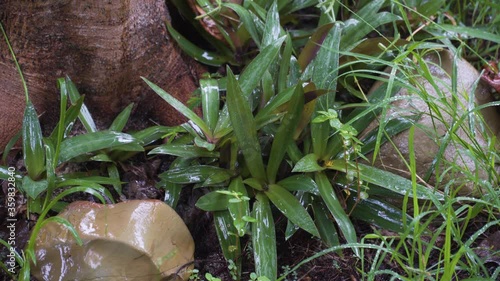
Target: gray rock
x,y
439,114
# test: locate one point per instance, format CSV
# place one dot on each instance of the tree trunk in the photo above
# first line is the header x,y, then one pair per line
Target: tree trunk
x,y
103,46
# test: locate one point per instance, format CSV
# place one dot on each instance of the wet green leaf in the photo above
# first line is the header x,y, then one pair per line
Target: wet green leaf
x,y
282,138
195,174
470,32
184,150
365,21
253,73
272,29
240,209
308,163
69,119
34,188
122,119
285,64
278,100
379,213
264,239
396,183
213,201
313,45
154,133
338,213
229,242
244,127
300,183
114,175
249,21
203,56
254,183
91,142
172,193
326,227
325,73
210,102
291,208
84,115
33,151
184,110
393,127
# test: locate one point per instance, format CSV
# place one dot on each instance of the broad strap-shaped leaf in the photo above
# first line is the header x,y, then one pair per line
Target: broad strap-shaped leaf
x,y
380,213
196,174
66,123
203,56
284,133
210,102
291,208
184,150
272,29
394,182
228,240
238,208
84,115
366,20
312,47
33,151
91,142
286,57
34,188
249,21
308,163
338,213
253,73
184,110
325,74
122,119
300,183
244,127
273,105
264,239
326,228
213,201
154,133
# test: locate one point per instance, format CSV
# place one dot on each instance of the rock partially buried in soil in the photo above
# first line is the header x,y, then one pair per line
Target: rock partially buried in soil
x,y
430,129
134,240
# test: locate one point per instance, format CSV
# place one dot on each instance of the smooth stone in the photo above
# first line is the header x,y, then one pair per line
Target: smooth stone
x,y
132,240
430,130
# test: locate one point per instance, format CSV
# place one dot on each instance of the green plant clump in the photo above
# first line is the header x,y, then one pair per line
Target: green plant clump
x,y
279,137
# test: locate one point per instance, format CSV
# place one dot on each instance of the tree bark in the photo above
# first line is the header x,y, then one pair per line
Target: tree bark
x,y
103,46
